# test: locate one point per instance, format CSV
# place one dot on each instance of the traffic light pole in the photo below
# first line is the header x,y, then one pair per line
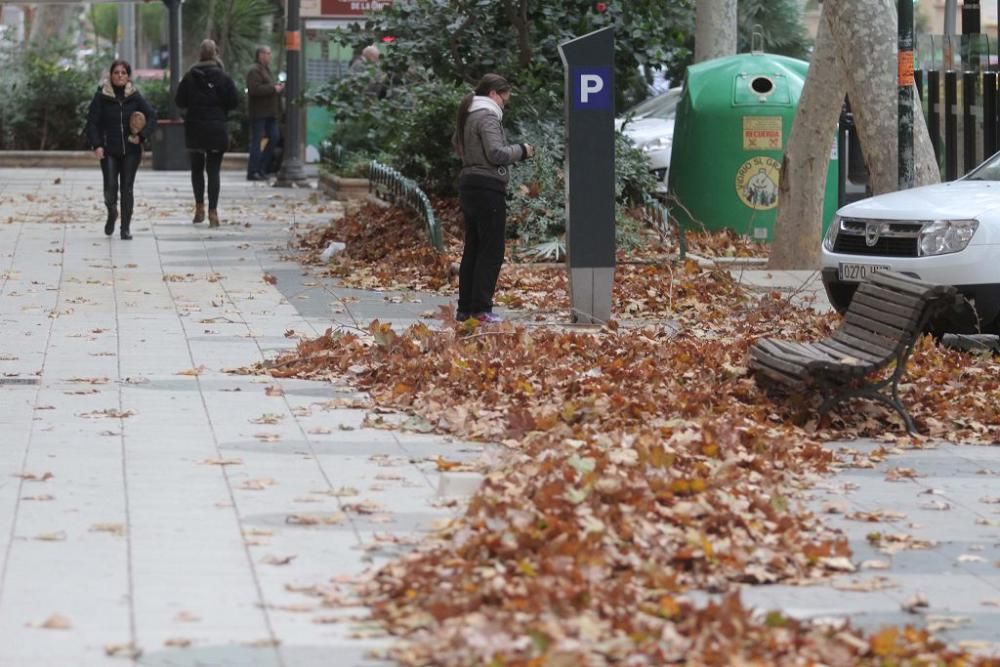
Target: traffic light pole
x,y
292,171
905,159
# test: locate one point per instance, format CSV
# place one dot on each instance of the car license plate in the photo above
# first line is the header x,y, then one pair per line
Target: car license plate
x,y
855,273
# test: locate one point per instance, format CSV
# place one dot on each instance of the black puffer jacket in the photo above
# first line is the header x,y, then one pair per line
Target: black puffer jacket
x,y
207,94
107,120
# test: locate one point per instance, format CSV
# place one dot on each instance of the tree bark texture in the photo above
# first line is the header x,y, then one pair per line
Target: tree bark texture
x,y
866,36
715,29
50,23
856,51
865,33
805,165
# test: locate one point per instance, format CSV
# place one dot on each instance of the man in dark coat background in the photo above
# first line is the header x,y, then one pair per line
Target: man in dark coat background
x,y
264,107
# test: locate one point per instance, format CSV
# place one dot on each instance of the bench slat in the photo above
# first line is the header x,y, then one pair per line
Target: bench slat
x,y
878,301
864,340
805,359
836,347
804,350
902,283
885,295
881,314
794,382
790,370
893,333
773,349
887,323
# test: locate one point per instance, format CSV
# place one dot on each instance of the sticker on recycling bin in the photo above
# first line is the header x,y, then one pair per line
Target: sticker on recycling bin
x,y
762,133
757,183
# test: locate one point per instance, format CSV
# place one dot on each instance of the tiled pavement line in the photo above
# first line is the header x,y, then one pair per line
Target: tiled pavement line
x,y
5,271
325,463
18,488
342,651
42,580
124,450
219,455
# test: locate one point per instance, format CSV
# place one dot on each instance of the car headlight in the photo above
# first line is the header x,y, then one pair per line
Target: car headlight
x,y
942,237
831,234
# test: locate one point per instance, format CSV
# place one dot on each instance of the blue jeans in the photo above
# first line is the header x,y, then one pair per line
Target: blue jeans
x,y
260,160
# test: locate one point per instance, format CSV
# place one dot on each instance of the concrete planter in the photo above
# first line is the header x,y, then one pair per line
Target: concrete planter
x,y
344,189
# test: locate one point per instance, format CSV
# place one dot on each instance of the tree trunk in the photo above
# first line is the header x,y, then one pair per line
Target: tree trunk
x,y
925,164
863,36
807,157
866,36
715,29
50,23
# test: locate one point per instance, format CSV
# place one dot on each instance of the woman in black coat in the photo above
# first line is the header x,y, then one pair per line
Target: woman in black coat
x,y
116,142
207,94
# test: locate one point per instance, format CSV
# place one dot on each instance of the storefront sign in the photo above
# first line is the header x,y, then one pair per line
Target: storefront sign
x,y
342,9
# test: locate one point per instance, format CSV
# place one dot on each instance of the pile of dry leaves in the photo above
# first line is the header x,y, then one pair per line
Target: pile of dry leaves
x,y
644,464
726,243
385,249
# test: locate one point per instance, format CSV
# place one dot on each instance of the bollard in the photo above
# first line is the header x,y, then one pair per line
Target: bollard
x,y
950,125
989,113
934,111
970,112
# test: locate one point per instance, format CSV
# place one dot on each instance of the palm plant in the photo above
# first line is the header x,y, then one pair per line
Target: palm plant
x,y
237,26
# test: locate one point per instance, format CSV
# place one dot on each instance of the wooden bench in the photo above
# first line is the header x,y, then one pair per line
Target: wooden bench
x,y
888,313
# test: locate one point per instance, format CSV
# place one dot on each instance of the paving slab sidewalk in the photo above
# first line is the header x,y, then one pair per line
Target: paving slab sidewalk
x,y
150,501
154,503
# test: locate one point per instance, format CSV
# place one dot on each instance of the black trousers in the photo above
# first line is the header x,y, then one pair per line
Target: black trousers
x,y
202,162
119,175
485,214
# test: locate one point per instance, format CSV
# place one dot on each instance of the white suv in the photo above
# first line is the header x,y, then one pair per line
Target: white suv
x,y
946,234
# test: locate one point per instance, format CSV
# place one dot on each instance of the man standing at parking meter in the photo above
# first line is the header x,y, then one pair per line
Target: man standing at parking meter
x,y
264,107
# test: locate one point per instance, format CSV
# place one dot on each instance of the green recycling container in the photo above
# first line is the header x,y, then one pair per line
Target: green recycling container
x,y
733,121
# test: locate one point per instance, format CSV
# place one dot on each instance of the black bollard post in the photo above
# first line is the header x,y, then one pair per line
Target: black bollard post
x,y
950,125
970,112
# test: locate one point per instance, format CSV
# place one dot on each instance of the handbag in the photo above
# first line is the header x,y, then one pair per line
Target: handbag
x,y
136,122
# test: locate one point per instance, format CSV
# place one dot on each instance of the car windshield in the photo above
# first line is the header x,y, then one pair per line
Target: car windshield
x,y
663,106
987,171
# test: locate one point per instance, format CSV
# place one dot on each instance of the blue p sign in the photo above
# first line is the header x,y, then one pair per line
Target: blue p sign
x,y
591,89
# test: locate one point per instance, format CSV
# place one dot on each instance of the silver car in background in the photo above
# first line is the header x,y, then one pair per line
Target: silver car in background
x,y
650,126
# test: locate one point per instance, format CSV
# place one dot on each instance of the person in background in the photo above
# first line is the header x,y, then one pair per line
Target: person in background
x,y
264,107
482,191
206,94
119,148
369,57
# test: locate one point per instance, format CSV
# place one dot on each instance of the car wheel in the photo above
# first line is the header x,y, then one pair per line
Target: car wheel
x,y
840,295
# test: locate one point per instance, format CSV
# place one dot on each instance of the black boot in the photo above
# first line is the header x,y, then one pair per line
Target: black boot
x,y
126,235
109,226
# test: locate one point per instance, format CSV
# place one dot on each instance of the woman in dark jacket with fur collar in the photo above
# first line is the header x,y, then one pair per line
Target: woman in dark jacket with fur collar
x,y
207,95
115,143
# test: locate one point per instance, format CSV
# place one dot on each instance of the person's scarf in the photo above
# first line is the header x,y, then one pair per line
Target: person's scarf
x,y
483,102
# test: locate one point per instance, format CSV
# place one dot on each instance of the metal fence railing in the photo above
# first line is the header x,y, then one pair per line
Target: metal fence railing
x,y
659,216
387,183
